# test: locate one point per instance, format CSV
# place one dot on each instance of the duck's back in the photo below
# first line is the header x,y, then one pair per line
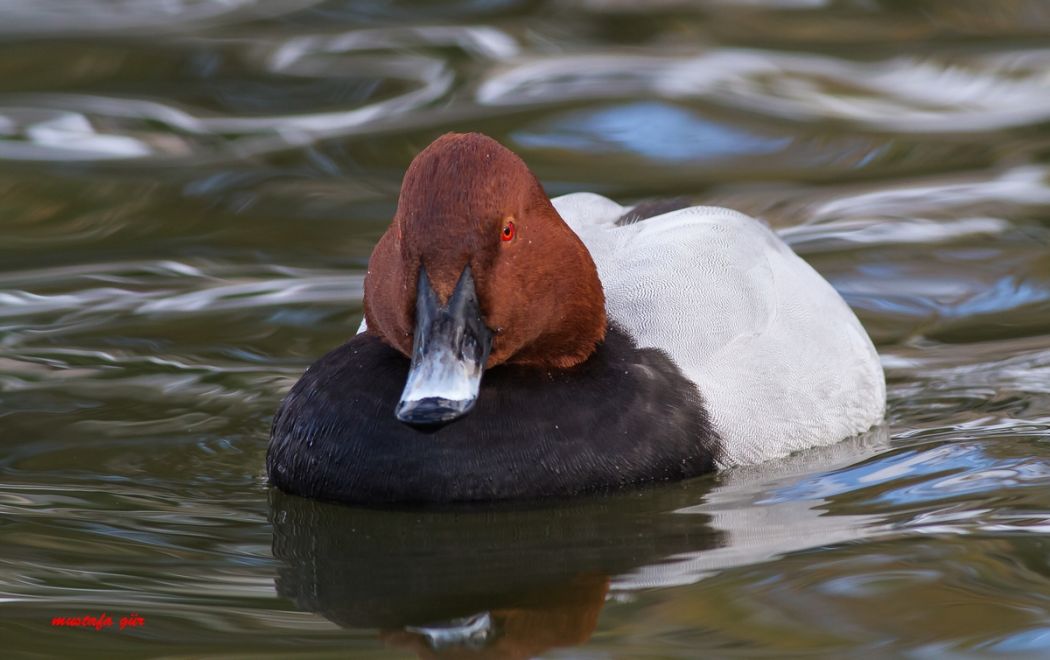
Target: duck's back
x,y
780,360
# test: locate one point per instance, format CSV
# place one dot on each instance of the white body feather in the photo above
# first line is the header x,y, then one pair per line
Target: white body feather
x,y
781,361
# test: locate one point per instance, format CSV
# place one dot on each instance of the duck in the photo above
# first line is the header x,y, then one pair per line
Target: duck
x,y
516,347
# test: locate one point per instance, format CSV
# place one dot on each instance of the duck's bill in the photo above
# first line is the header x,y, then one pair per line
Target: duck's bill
x,y
449,351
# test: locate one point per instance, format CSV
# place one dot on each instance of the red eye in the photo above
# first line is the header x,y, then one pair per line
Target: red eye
x,y
508,231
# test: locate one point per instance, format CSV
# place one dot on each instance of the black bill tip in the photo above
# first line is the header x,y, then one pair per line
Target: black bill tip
x,y
432,411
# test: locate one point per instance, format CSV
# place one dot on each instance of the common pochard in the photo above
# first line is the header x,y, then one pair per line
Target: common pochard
x,y
519,347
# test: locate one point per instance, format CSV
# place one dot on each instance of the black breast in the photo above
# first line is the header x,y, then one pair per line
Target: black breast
x,y
625,416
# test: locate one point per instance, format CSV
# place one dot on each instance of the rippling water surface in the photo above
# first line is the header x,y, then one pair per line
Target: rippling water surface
x,y
189,193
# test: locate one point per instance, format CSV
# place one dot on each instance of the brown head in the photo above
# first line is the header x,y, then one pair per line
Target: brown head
x,y
477,248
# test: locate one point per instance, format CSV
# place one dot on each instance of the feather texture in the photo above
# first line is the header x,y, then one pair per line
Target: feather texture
x,y
779,358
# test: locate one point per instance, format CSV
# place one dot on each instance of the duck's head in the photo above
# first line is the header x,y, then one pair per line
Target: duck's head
x,y
478,269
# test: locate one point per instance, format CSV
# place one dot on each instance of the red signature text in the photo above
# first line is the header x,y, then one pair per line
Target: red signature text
x,y
97,622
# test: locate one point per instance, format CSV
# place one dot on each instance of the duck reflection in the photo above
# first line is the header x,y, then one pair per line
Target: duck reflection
x,y
560,615
501,581
478,582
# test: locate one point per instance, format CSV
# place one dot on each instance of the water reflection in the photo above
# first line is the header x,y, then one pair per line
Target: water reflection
x,y
481,581
103,16
898,94
654,130
504,581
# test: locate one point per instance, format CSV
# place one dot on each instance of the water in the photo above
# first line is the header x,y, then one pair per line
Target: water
x,y
190,192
